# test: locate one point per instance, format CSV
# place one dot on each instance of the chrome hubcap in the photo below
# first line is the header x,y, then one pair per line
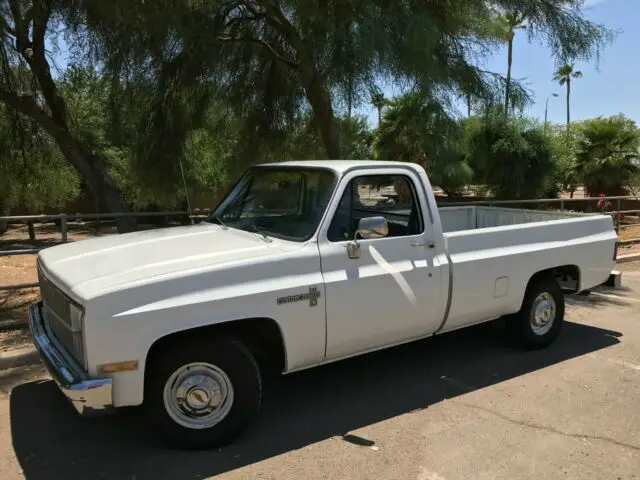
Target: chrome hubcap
x,y
198,395
543,313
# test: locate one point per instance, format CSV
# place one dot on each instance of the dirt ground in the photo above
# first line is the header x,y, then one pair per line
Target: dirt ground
x,y
630,233
465,405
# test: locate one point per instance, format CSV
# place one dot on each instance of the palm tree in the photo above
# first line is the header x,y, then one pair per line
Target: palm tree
x,y
563,76
378,101
508,24
607,153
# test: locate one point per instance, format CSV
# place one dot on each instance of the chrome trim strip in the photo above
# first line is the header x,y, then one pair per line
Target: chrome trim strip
x,y
89,396
447,309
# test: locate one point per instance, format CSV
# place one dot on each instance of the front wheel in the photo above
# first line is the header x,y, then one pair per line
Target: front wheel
x,y
203,395
539,321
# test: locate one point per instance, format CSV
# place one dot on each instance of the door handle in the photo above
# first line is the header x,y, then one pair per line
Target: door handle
x,y
423,244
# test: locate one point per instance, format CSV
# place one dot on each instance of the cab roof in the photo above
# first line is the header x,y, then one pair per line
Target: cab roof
x,y
341,166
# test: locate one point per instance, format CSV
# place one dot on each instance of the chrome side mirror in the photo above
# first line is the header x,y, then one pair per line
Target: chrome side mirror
x,y
368,228
372,227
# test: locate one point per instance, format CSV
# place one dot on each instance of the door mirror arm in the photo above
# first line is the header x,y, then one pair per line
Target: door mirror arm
x,y
368,228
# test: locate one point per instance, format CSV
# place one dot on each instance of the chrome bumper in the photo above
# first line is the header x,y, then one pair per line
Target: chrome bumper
x,y
89,396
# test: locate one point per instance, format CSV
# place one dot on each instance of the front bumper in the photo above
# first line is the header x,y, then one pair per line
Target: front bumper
x,y
89,396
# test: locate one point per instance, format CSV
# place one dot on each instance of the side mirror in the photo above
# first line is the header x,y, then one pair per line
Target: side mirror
x,y
369,227
372,227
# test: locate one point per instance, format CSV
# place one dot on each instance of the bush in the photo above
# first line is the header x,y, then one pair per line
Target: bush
x,y
512,158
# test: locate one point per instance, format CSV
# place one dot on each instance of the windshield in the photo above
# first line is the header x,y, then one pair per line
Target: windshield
x,y
283,202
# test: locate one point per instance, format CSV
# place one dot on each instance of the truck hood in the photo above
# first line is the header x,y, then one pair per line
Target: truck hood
x,y
87,268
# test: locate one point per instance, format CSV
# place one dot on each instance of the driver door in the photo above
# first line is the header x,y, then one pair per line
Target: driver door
x,y
392,292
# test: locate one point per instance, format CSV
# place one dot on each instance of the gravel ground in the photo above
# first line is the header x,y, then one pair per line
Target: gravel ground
x,y
462,406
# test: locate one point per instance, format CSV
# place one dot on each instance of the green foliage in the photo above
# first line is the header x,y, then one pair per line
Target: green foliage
x,y
565,73
418,129
161,106
563,151
303,142
511,157
272,57
607,154
33,172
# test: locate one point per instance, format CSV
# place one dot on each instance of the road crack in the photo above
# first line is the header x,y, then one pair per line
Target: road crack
x,y
549,429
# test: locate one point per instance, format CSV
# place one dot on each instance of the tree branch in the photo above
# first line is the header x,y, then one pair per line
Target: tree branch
x,y
41,11
21,25
263,44
27,106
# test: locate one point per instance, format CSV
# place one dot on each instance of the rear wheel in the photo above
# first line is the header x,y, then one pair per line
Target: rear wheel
x,y
203,395
539,321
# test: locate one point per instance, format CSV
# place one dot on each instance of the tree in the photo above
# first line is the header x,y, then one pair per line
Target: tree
x,y
418,129
302,139
276,58
378,101
511,157
33,172
607,154
27,86
563,76
510,23
563,150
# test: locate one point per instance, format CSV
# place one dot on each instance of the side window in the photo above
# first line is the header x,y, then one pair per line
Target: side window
x,y
390,196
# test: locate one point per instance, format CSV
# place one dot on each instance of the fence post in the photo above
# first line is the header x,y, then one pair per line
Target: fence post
x,y
32,230
63,227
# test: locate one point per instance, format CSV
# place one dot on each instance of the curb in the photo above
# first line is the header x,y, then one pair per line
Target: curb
x,y
19,358
628,258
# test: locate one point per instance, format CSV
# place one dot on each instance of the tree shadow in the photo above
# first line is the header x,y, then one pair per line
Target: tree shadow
x,y
604,297
14,303
52,442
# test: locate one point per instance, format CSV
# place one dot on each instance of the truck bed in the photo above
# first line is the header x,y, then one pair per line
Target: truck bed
x,y
472,217
493,252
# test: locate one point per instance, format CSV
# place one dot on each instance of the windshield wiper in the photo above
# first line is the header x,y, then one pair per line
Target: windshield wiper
x,y
260,231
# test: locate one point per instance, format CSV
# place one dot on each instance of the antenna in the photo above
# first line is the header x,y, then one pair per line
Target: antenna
x,y
186,192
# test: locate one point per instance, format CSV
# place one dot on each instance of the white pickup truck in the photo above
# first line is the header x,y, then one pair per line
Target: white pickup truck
x,y
301,264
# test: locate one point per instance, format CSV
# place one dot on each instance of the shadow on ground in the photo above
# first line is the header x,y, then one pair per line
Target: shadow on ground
x,y
14,303
51,442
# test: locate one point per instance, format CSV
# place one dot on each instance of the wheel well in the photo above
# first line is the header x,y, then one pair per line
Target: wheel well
x,y
261,335
567,276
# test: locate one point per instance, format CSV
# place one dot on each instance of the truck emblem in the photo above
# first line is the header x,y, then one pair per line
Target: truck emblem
x,y
312,296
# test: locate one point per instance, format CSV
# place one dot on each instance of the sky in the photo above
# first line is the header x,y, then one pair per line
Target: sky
x,y
607,88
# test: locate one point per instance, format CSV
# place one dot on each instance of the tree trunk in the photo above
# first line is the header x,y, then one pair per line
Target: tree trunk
x,y
315,89
568,97
5,211
320,101
507,92
468,106
379,108
100,182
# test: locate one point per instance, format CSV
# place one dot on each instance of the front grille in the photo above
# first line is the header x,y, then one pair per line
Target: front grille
x,y
58,317
53,298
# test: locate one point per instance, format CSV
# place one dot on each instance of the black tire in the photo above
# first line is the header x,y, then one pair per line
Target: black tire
x,y
227,354
521,325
